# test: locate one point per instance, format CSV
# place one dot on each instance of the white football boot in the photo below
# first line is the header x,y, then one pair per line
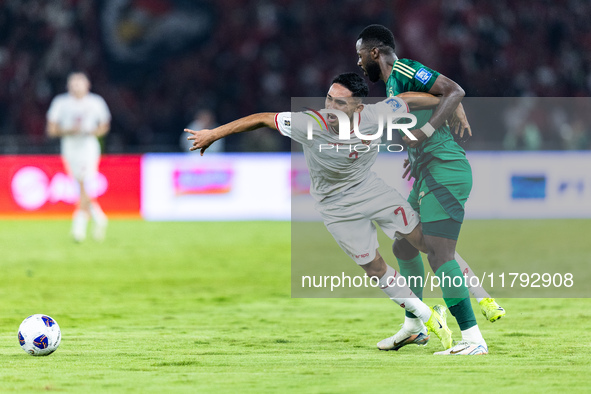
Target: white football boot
x,y
464,348
100,222
100,228
79,224
403,338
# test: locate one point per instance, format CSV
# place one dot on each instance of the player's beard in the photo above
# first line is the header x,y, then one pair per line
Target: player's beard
x,y
373,71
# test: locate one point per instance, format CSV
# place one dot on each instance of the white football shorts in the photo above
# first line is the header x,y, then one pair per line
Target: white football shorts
x,y
349,217
81,156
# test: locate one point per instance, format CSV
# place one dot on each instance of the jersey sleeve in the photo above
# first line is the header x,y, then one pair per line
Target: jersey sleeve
x,y
378,113
389,105
419,78
104,115
294,126
54,110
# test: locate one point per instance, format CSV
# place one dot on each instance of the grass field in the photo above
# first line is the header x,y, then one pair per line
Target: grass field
x,y
206,307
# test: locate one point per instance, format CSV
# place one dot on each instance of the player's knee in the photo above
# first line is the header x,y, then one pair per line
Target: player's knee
x,y
377,267
434,260
439,251
404,250
438,257
416,240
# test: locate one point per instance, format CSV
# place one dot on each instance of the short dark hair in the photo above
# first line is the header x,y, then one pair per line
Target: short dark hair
x,y
354,83
376,35
78,72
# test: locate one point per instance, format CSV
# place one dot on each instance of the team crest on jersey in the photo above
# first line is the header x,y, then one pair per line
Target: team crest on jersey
x,y
423,75
365,142
393,103
286,122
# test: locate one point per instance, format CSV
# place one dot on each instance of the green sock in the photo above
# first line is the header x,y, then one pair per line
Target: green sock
x,y
452,283
455,294
464,314
415,268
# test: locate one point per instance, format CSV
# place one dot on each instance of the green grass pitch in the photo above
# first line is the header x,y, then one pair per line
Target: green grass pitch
x,y
206,307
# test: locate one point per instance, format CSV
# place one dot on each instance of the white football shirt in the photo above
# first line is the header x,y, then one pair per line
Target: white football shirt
x,y
87,113
82,151
336,165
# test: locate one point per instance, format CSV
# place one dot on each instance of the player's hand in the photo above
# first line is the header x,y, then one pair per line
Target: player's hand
x,y
202,139
418,133
459,122
75,130
406,167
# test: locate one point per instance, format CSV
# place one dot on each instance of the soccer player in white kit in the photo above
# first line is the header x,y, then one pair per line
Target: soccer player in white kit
x,y
348,195
79,117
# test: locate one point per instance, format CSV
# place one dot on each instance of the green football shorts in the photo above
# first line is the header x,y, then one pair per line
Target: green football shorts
x,y
439,195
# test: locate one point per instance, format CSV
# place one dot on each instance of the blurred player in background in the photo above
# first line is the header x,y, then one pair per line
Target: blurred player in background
x,y
443,180
79,118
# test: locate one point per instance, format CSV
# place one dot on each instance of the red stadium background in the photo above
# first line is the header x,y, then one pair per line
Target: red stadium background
x,y
36,186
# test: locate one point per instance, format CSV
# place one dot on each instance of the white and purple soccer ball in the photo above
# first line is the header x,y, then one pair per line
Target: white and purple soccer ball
x,y
39,335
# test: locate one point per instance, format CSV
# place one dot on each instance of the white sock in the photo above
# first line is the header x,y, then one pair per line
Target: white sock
x,y
80,216
403,295
478,292
413,325
79,224
473,335
97,213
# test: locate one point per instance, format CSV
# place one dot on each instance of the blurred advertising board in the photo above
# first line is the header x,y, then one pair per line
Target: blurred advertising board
x,y
520,185
506,185
216,187
37,186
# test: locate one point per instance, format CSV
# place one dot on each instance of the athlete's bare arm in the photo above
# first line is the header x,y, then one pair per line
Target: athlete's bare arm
x,y
458,122
419,100
102,129
54,130
202,139
451,95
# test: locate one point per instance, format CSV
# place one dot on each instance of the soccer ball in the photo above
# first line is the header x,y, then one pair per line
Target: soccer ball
x,y
39,335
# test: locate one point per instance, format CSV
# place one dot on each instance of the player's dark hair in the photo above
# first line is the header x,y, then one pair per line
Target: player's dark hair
x,y
80,72
354,83
377,35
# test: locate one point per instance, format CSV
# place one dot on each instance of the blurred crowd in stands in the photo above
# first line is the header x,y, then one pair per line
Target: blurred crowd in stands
x,y
256,55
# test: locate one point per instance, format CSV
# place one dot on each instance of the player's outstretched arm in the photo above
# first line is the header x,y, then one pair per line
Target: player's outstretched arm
x,y
202,139
419,100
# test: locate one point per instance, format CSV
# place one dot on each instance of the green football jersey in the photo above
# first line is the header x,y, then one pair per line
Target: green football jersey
x,y
411,76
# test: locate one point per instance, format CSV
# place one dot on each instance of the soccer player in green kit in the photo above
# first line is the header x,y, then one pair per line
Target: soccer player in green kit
x,y
443,180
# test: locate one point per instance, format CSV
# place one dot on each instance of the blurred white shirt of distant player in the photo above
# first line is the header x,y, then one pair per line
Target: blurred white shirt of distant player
x,y
79,117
